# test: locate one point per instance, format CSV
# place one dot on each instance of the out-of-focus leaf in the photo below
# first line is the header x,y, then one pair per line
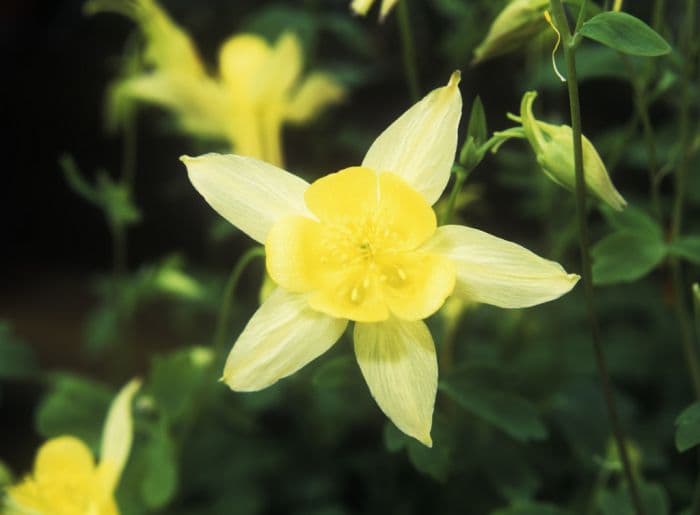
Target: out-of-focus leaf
x,y
116,200
335,372
171,279
348,31
511,413
17,359
176,377
626,256
74,406
653,498
632,219
528,508
160,472
513,477
687,248
394,440
434,461
6,477
625,33
274,20
688,428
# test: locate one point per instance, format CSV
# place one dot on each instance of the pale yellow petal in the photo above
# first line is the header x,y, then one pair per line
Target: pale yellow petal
x,y
283,335
420,145
198,103
398,361
387,6
361,6
117,436
249,193
499,272
318,91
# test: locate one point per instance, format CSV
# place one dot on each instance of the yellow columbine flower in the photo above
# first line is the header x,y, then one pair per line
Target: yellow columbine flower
x,y
66,480
258,88
554,148
362,6
363,245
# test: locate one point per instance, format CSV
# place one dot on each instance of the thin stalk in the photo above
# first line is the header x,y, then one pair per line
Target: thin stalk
x,y
222,319
642,108
460,177
681,175
408,50
562,25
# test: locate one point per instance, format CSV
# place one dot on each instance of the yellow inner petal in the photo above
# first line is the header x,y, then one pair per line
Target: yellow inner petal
x,y
360,259
65,482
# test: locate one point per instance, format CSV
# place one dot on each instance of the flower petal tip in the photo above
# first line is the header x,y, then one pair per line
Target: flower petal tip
x,y
455,78
426,440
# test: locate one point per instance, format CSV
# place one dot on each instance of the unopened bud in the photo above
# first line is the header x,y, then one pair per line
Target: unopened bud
x,y
554,149
514,26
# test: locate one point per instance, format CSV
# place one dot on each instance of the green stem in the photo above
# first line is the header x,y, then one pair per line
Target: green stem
x,y
225,308
460,177
642,108
408,50
681,175
562,24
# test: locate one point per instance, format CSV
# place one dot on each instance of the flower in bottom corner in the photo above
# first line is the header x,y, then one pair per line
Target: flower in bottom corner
x,y
67,481
363,245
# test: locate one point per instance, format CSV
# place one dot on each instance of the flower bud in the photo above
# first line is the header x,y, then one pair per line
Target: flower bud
x,y
513,27
553,147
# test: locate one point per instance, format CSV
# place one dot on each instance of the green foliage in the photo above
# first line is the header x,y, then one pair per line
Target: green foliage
x,y
531,509
17,359
113,198
176,379
688,428
507,411
632,251
617,502
626,256
74,406
160,470
687,247
625,33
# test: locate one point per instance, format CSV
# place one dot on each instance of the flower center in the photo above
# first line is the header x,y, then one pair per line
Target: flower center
x,y
361,259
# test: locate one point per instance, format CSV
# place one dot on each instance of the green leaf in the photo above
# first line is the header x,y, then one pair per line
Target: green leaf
x,y
74,406
687,248
160,471
335,372
528,508
17,359
633,219
510,413
394,440
176,377
626,256
477,127
688,428
116,201
625,33
653,498
433,461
